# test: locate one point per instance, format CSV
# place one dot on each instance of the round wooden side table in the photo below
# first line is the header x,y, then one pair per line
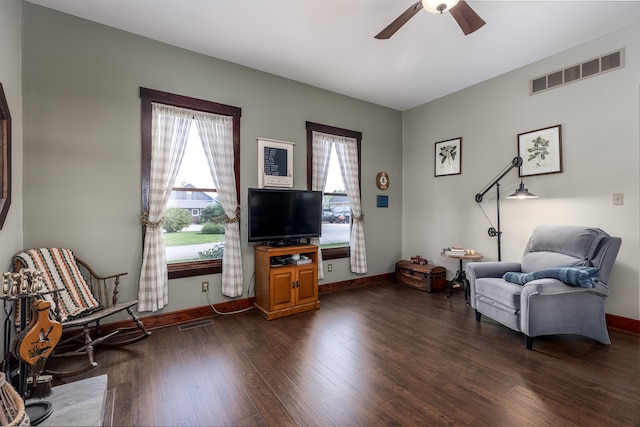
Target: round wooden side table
x,y
461,277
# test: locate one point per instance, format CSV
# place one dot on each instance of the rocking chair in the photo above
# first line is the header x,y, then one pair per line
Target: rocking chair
x,y
81,298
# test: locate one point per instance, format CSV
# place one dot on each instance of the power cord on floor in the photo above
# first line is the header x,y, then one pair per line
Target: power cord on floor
x,y
228,312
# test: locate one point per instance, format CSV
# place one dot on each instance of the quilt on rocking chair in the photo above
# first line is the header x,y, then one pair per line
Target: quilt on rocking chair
x,y
81,298
61,273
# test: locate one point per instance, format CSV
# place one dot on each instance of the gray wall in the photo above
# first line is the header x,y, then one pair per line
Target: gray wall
x,y
11,79
82,143
600,125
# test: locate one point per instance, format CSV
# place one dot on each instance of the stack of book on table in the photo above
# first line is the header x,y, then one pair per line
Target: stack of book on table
x,y
454,250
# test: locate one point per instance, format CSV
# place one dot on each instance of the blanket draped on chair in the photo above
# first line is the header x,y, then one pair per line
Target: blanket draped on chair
x,y
62,273
585,277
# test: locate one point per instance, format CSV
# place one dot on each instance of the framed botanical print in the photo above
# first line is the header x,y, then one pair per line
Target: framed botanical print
x,y
448,156
541,151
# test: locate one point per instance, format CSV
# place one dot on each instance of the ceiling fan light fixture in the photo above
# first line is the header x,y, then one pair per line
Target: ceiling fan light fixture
x,y
438,6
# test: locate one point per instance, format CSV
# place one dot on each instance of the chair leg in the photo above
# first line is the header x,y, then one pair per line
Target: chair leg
x,y
129,335
528,341
478,315
87,349
87,343
138,322
467,291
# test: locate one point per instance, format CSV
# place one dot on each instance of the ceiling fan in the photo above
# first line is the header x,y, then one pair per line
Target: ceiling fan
x,y
468,20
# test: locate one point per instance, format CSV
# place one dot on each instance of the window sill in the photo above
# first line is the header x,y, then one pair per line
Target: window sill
x,y
336,253
195,268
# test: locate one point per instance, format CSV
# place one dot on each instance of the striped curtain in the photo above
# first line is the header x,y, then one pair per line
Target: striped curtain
x,y
347,153
321,154
216,133
169,133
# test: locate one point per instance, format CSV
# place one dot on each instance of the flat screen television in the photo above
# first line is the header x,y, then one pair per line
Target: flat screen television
x,y
284,216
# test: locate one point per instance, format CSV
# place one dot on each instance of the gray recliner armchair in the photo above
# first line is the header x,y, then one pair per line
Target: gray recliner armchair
x,y
548,306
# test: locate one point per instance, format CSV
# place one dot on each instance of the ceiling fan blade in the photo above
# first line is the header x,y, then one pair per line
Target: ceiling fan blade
x,y
400,21
468,20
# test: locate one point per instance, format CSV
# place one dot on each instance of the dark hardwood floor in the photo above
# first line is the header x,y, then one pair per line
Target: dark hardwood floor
x,y
376,355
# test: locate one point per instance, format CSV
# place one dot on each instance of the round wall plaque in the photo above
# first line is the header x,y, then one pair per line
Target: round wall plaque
x,y
382,180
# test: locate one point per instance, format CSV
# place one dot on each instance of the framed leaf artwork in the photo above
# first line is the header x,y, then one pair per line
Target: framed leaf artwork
x,y
541,151
448,157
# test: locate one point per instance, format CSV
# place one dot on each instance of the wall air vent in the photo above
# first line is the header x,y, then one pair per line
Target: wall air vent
x,y
591,67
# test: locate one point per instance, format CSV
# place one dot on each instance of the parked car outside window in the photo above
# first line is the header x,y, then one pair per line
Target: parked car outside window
x,y
328,216
343,218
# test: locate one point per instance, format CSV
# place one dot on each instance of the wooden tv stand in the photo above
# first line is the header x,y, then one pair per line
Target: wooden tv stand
x,y
283,290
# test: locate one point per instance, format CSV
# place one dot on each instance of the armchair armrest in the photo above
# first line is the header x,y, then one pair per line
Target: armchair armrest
x,y
477,270
101,286
548,286
549,306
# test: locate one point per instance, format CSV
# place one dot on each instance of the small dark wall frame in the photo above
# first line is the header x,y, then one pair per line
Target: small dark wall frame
x,y
5,157
382,201
448,157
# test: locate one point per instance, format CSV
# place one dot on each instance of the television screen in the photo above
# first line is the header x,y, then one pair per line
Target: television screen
x,y
280,215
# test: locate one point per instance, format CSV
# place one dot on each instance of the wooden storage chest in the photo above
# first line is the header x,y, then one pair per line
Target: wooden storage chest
x,y
429,278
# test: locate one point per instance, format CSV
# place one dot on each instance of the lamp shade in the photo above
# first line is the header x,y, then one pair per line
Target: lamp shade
x,y
522,193
438,6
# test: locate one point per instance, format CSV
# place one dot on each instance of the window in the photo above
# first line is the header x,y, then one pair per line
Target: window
x,y
336,221
336,218
193,201
188,235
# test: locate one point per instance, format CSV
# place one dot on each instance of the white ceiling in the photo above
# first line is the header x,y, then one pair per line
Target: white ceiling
x,y
330,43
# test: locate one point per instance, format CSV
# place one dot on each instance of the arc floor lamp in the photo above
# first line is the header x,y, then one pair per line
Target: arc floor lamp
x,y
520,193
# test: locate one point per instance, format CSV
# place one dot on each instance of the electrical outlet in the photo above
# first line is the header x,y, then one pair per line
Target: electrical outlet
x,y
205,286
329,268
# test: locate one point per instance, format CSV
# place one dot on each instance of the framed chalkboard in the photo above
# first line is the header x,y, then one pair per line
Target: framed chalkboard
x,y
275,163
